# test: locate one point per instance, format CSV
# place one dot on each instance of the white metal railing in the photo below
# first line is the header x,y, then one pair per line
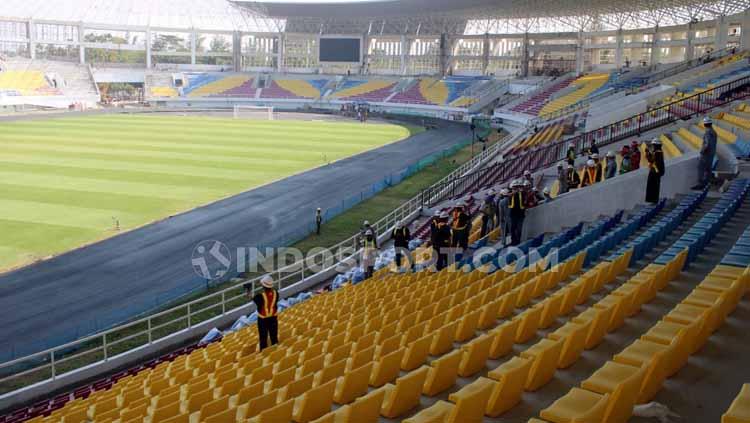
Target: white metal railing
x,y
152,328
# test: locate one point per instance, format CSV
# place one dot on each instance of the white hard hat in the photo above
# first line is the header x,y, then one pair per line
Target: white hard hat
x,y
610,154
595,156
525,183
444,215
267,281
590,163
707,120
571,144
546,190
436,213
559,165
504,191
526,173
570,166
656,141
367,222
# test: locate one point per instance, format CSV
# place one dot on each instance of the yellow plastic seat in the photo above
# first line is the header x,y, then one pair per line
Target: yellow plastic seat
x,y
404,395
504,337
529,323
508,303
574,337
386,368
739,410
442,373
570,297
475,355
580,403
364,410
577,406
261,403
544,356
280,413
228,415
489,313
296,388
330,372
467,325
352,385
416,353
214,407
442,342
166,411
248,392
551,311
468,405
314,403
281,379
598,320
511,378
360,358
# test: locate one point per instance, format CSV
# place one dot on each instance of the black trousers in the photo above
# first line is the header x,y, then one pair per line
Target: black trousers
x,y
268,327
516,230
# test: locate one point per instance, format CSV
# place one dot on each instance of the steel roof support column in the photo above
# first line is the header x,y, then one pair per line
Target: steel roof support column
x,y
690,40
445,59
31,28
579,53
280,55
193,47
486,53
525,55
237,51
722,32
619,50
148,48
405,46
81,48
745,30
655,52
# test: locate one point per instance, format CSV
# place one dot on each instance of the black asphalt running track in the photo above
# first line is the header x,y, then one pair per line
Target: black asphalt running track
x,y
95,287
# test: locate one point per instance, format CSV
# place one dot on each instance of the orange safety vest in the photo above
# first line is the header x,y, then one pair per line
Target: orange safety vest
x,y
592,175
268,309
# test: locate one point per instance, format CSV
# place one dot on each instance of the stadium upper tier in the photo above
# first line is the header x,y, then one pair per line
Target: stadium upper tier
x,y
451,91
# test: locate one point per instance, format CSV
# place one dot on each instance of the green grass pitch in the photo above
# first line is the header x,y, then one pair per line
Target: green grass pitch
x,y
64,182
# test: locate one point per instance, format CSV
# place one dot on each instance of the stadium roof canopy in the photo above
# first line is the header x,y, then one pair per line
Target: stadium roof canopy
x,y
220,15
487,16
375,17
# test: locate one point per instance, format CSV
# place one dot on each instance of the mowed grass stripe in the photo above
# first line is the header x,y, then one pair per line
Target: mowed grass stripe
x,y
330,131
168,167
10,255
115,203
302,148
65,215
192,195
291,127
32,241
105,175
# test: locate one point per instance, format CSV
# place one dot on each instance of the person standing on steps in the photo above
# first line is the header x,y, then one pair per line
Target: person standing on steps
x,y
562,179
655,158
570,155
442,241
517,208
574,180
611,165
318,221
401,237
266,304
708,152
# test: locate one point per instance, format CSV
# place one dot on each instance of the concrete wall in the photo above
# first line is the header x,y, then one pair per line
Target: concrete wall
x,y
620,106
624,192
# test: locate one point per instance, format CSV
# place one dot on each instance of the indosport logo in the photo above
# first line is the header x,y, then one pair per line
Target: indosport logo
x,y
211,259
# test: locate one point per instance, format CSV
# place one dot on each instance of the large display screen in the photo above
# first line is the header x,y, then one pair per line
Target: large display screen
x,y
340,49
